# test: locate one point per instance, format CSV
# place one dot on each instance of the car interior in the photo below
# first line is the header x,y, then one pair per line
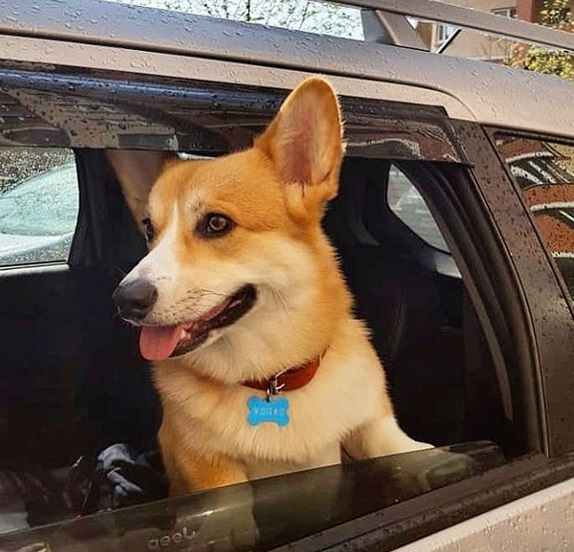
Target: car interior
x,y
76,396
74,382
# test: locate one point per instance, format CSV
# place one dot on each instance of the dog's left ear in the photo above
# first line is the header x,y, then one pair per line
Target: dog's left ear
x,y
137,171
305,143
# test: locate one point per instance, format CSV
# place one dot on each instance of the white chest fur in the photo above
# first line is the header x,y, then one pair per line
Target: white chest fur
x,y
344,394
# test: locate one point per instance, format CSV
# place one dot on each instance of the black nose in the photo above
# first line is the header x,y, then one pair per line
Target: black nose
x,y
135,299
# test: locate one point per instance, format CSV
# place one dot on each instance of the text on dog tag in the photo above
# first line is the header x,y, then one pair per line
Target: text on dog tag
x,y
268,410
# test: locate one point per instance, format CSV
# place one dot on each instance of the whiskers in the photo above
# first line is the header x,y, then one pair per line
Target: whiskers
x,y
196,302
280,299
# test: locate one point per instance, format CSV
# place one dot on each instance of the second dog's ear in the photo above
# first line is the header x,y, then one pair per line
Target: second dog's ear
x,y
137,170
305,143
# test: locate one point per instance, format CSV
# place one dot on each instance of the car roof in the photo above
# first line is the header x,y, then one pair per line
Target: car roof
x,y
484,92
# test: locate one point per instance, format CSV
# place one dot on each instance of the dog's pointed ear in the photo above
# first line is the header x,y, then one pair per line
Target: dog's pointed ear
x,y
305,144
137,170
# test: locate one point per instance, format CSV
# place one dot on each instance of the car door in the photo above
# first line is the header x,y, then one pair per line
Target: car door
x,y
456,303
420,266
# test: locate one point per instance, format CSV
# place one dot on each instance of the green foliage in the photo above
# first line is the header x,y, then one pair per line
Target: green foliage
x,y
555,14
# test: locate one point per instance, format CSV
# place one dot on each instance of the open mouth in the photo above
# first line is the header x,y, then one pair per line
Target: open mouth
x,y
161,342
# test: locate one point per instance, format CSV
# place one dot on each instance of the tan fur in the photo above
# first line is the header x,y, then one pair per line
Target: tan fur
x,y
275,192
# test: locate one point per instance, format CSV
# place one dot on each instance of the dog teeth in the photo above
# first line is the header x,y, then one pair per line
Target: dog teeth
x,y
186,333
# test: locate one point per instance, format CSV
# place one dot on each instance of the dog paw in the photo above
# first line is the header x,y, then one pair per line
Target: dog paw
x,y
411,445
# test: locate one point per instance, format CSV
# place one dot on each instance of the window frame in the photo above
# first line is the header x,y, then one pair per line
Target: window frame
x,y
549,306
493,132
441,508
527,314
509,12
480,254
443,33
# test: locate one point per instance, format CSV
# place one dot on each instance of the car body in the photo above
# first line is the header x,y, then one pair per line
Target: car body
x,y
475,328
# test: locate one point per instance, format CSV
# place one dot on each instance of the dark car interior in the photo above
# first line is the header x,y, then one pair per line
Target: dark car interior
x,y
74,384
77,360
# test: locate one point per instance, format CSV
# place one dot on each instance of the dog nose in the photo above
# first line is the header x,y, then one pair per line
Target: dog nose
x,y
135,299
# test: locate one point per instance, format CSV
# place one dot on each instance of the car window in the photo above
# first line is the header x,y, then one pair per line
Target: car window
x,y
544,172
420,318
332,496
406,202
38,205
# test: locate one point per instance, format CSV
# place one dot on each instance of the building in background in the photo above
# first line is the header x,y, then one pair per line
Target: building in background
x,y
475,45
528,10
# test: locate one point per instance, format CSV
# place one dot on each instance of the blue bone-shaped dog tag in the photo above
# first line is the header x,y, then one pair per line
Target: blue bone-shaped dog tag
x,y
271,410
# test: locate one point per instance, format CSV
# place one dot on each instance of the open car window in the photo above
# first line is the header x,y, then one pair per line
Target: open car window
x,y
406,283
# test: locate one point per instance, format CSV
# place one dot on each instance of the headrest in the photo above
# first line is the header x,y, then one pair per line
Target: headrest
x,y
344,219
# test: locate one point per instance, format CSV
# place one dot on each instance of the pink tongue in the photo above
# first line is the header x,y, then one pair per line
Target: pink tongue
x,y
158,343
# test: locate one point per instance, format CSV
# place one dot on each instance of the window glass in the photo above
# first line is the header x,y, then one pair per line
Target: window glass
x,y
221,519
544,171
505,12
443,33
406,202
38,205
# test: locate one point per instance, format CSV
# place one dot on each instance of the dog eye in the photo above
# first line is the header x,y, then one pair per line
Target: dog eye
x,y
214,225
148,229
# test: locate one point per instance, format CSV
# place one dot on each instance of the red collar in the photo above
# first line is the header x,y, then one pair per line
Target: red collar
x,y
288,380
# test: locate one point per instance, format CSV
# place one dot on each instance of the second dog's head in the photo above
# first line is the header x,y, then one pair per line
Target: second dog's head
x,y
238,263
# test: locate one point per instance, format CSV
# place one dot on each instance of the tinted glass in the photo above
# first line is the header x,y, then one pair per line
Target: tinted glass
x,y
195,117
544,172
285,508
408,204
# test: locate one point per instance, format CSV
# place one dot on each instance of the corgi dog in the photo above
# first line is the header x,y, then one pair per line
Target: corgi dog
x,y
260,365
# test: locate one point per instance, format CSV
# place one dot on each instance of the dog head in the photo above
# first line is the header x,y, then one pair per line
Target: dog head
x,y
239,270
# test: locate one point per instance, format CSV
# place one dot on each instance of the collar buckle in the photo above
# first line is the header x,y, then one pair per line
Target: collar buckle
x,y
273,386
